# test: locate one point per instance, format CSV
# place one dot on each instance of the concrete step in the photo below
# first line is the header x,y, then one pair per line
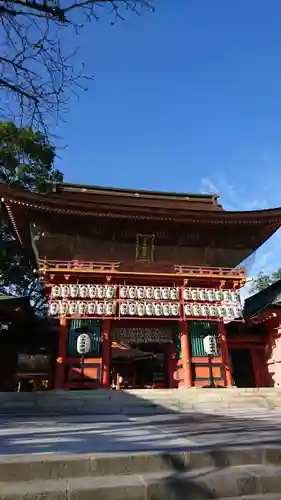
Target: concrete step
x,y
22,468
136,402
204,483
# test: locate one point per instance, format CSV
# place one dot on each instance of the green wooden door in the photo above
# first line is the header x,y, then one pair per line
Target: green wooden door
x,y
90,326
197,331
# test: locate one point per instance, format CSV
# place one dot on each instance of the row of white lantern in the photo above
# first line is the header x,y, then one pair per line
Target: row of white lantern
x,y
205,310
143,292
149,309
129,308
149,292
211,295
91,308
84,291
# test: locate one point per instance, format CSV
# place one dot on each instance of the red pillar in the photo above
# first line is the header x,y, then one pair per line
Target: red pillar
x,y
225,355
185,354
106,353
172,365
60,361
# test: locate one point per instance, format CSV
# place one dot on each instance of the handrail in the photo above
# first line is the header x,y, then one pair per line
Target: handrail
x,y
113,267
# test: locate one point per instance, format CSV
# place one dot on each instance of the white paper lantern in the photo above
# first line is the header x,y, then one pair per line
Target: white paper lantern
x,y
214,312
123,292
187,294
205,310
166,309
83,345
83,291
132,292
82,308
227,296
149,309
100,308
188,310
124,309
74,290
73,306
56,291
54,308
157,293
110,292
63,307
237,312
109,309
100,291
219,295
132,308
194,294
141,309
196,310
92,308
149,292
65,291
175,309
174,293
158,309
211,295
165,293
222,312
92,291
203,294
230,315
140,292
235,297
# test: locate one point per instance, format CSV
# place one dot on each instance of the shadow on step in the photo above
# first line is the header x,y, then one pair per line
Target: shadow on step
x,y
160,430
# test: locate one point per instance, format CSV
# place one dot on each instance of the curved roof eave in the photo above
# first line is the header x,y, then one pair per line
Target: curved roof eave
x,y
53,203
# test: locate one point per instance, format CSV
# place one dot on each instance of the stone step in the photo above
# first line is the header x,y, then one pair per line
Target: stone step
x,y
136,402
205,483
22,468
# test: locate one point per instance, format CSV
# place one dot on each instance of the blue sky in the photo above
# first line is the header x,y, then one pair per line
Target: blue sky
x,y
187,98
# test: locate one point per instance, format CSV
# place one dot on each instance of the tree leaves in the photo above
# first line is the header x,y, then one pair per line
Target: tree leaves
x,y
262,281
27,162
26,158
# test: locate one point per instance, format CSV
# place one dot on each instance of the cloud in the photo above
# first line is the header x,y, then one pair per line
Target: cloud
x,y
207,186
263,192
235,197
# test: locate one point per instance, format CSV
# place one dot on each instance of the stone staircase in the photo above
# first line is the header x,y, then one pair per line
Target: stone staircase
x,y
249,473
135,402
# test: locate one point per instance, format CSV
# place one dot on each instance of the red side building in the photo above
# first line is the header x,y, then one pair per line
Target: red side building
x,y
156,271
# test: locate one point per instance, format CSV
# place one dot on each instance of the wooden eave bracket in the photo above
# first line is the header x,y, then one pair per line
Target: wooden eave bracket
x,y
8,209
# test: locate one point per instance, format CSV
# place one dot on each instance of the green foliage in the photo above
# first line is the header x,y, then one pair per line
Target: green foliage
x,y
27,162
26,158
263,280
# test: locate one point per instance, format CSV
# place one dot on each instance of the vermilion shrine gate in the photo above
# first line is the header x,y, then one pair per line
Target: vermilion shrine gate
x,y
156,271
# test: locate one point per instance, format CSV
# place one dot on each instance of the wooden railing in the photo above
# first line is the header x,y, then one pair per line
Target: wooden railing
x,y
59,265
238,272
126,268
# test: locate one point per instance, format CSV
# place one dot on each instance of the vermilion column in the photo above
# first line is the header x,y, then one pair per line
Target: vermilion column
x,y
225,354
185,354
60,361
172,364
106,353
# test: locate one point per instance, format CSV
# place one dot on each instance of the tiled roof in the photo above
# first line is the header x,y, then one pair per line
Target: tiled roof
x,y
259,302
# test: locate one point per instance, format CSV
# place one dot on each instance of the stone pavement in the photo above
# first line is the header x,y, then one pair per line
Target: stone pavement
x,y
121,433
218,454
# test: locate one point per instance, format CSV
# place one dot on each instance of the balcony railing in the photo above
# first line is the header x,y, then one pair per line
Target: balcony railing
x,y
114,268
238,272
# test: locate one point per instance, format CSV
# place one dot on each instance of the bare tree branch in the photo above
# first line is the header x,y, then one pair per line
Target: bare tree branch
x,y
38,72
